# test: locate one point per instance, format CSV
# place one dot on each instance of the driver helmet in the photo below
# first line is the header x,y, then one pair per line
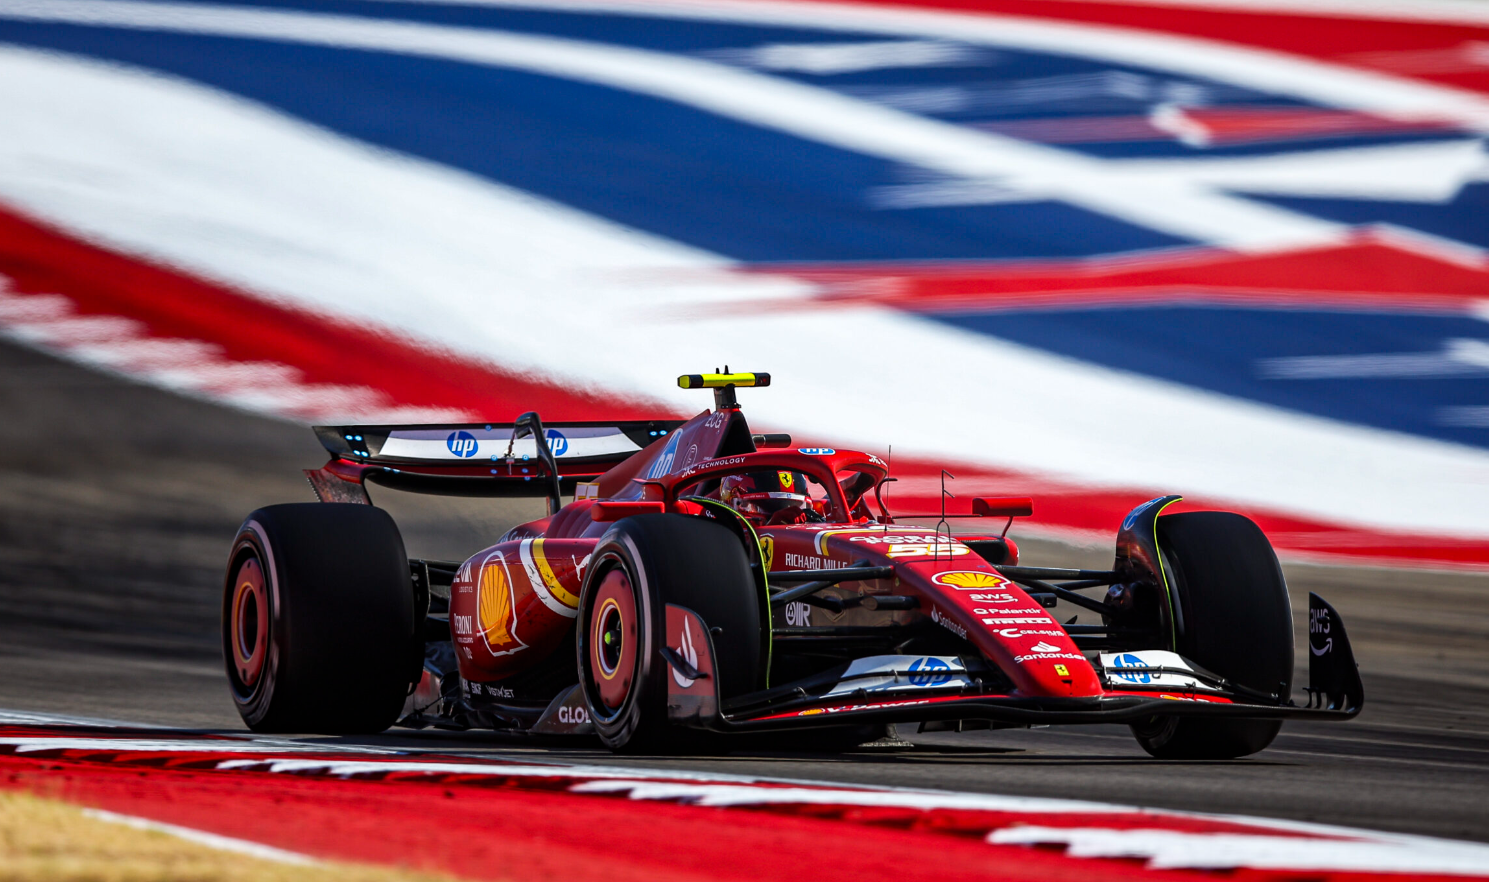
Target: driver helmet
x,y
763,494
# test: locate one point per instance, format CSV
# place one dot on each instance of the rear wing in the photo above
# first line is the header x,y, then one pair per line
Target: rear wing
x,y
476,459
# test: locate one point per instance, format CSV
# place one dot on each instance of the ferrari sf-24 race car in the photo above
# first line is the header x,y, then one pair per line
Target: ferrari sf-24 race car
x,y
706,582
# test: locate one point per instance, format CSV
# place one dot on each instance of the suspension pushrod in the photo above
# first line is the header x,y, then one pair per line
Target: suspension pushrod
x,y
798,592
832,577
1066,595
824,579
1095,577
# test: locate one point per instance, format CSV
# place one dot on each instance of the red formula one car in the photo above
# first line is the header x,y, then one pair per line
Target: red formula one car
x,y
707,581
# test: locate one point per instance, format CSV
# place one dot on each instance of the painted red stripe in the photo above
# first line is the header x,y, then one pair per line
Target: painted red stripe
x,y
1370,273
328,348
478,832
1223,127
514,827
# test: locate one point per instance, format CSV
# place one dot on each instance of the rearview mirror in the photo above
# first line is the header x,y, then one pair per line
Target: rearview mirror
x,y
1003,506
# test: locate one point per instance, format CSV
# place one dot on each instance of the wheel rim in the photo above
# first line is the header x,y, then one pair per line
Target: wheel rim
x,y
248,627
612,640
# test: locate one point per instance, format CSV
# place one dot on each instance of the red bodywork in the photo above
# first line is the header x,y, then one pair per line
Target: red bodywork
x,y
513,603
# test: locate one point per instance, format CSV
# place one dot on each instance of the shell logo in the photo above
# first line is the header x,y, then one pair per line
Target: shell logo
x,y
969,580
494,610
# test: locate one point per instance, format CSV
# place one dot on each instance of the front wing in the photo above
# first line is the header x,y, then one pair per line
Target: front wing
x,y
1334,693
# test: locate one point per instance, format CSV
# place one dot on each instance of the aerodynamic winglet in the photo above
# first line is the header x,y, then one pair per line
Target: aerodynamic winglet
x,y
1333,677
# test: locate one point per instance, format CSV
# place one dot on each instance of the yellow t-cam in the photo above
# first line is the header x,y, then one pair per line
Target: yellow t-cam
x,y
723,385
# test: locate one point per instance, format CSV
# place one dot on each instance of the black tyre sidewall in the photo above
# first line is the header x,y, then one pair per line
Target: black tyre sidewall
x,y
1204,738
1234,619
341,623
255,703
641,717
690,562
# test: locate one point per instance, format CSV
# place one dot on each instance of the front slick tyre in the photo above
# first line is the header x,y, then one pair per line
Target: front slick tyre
x,y
318,619
1234,620
640,565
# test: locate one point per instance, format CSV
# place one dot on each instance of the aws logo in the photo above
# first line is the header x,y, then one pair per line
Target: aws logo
x,y
970,580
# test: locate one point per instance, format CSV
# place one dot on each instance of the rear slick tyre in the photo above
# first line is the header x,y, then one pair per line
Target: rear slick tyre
x,y
640,565
1233,619
318,619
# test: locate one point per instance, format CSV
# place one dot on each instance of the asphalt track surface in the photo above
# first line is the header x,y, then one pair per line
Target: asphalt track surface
x,y
118,501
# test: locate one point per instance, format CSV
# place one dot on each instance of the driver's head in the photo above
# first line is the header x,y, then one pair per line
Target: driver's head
x,y
761,495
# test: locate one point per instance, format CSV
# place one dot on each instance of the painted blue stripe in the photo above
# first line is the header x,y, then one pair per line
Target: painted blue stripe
x,y
1465,218
994,85
1223,350
643,32
734,189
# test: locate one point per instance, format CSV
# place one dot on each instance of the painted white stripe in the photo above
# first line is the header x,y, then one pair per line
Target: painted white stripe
x,y
195,367
1468,415
826,59
1167,204
735,795
32,744
34,718
1434,172
540,587
1430,172
224,188
201,837
1314,846
1319,848
1173,849
1458,358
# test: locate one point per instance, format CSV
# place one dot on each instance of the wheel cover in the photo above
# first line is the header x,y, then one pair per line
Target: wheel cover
x,y
248,626
612,640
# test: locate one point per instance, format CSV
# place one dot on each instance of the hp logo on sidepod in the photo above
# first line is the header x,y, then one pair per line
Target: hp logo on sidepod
x,y
462,444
